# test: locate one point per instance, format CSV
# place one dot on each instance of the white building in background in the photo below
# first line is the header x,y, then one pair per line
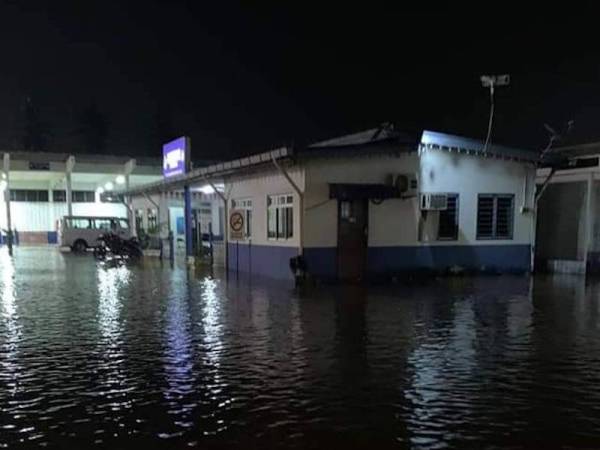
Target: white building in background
x,y
38,184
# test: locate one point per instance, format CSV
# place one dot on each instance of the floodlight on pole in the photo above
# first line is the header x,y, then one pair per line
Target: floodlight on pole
x,y
491,81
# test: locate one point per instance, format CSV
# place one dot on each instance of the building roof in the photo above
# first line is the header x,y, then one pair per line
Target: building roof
x,y
448,142
577,150
385,132
87,158
385,139
214,171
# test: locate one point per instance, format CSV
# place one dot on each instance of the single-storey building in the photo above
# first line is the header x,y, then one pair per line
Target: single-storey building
x,y
37,189
568,229
379,202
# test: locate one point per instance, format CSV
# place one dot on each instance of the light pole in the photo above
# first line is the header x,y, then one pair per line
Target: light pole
x,y
492,81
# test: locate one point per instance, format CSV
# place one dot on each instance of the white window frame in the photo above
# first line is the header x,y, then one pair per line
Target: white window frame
x,y
280,204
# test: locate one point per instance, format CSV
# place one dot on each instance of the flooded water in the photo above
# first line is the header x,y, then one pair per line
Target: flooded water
x,y
159,357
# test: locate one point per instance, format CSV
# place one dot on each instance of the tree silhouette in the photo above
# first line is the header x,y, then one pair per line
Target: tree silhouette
x,y
93,129
163,129
34,134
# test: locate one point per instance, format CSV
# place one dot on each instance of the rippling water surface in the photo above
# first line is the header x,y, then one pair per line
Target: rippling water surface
x,y
157,357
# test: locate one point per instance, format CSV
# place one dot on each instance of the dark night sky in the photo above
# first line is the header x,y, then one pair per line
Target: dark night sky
x,y
240,79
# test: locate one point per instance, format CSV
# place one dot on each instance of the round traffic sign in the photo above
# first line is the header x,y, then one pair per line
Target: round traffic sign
x,y
236,221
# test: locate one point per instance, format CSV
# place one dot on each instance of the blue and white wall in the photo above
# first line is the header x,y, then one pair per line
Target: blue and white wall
x,y
171,210
394,244
469,176
36,219
260,254
391,222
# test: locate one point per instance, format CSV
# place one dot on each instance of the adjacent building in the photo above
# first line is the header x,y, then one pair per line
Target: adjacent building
x,y
44,187
568,229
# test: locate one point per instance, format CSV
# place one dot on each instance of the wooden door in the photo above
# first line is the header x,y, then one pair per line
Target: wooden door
x,y
352,239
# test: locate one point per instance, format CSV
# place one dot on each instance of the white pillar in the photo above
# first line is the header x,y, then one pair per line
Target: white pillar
x,y
129,166
70,164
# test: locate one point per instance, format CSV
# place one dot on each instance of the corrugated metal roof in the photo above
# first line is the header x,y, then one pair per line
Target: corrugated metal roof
x,y
443,141
211,172
383,133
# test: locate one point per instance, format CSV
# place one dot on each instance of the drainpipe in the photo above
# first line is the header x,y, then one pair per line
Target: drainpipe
x,y
225,220
536,199
300,201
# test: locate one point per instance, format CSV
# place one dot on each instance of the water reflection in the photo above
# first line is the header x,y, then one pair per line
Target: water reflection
x,y
11,333
112,400
158,357
178,359
211,347
111,282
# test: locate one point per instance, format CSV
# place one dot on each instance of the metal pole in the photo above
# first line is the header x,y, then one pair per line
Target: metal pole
x,y
589,219
536,198
9,233
187,210
129,205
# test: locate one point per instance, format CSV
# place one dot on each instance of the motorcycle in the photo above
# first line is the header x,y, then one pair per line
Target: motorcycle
x,y
112,246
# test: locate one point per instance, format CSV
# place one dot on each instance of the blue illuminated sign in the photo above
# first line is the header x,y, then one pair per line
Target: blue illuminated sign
x,y
175,157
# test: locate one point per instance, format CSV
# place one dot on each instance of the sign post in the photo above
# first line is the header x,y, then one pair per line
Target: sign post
x,y
236,225
176,161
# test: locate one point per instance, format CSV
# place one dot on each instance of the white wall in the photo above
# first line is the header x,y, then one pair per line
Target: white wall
x,y
258,187
26,216
171,207
42,216
391,222
468,176
395,222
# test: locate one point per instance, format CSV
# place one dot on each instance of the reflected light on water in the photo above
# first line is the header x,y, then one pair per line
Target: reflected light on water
x,y
10,367
210,321
178,361
111,284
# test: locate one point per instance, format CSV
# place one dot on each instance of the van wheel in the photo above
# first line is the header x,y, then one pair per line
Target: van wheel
x,y
79,246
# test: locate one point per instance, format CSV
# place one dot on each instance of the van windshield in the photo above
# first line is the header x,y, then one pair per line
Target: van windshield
x,y
95,223
102,224
78,223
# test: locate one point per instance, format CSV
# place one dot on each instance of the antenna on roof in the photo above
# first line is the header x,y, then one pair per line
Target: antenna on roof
x,y
492,81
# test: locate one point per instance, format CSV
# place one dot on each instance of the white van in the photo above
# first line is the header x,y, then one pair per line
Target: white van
x,y
80,233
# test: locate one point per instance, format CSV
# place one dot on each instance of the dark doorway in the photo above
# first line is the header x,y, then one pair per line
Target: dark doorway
x,y
352,239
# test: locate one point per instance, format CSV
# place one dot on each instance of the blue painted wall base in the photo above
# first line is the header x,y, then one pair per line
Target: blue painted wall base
x,y
273,261
382,261
264,260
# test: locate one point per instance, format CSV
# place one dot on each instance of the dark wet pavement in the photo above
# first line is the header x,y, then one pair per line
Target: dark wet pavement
x,y
151,356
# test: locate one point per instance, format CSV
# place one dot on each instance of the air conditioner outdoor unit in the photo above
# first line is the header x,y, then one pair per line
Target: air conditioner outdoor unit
x,y
434,202
406,184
